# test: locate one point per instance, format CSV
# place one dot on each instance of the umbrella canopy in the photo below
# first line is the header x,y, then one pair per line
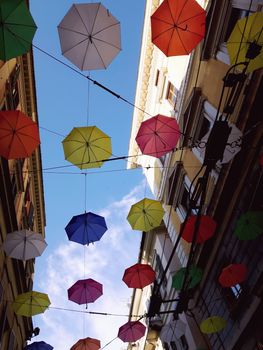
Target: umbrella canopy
x,y
138,276
172,330
85,291
86,344
145,215
246,41
131,331
19,135
24,244
193,277
39,345
158,135
212,324
249,225
233,145
86,228
205,231
232,274
31,303
87,147
89,36
178,26
17,29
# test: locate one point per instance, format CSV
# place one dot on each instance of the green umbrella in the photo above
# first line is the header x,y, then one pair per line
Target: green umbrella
x,y
17,29
249,226
194,277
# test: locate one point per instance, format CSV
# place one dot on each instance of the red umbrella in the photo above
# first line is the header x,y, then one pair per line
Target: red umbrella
x,y
158,135
85,291
138,276
206,229
86,344
178,26
232,275
19,135
131,331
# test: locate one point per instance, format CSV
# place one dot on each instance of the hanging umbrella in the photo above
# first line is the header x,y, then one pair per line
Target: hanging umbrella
x,y
39,345
139,276
86,228
212,324
193,277
249,225
89,36
205,231
158,135
233,145
246,41
87,147
172,330
85,291
232,274
24,245
31,303
131,331
17,29
86,344
178,26
145,215
19,135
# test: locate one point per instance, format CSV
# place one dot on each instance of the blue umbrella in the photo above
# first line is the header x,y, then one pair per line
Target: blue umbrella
x,y
39,345
86,228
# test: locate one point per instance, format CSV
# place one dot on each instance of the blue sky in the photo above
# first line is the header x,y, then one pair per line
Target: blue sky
x,y
64,98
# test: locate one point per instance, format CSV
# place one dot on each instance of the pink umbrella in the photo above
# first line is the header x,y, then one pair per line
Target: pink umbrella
x,y
158,135
131,331
86,344
85,291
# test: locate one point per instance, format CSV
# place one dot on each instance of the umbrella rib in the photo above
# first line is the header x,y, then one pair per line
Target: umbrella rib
x,y
82,19
187,19
75,150
10,13
18,38
178,33
106,42
19,24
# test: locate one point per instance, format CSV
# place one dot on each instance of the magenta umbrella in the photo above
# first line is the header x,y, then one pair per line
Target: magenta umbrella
x,y
158,135
85,291
131,331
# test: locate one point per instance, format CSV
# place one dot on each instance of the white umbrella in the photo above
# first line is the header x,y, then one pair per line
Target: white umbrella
x,y
233,146
89,36
172,330
24,244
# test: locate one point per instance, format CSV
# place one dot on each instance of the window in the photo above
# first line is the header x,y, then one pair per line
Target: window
x,y
174,182
184,343
190,117
183,199
12,95
204,125
159,270
157,77
237,9
171,94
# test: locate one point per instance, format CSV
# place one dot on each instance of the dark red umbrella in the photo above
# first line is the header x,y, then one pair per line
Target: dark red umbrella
x,y
232,274
86,344
205,231
178,26
138,276
131,331
158,135
85,291
19,135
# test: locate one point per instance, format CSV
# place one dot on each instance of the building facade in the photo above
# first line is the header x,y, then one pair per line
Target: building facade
x,y
21,204
189,89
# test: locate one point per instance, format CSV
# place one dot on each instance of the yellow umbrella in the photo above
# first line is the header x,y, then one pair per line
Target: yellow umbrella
x,y
31,303
145,214
87,147
212,324
246,40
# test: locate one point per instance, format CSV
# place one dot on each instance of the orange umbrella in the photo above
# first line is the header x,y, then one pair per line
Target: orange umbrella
x,y
178,26
86,344
205,231
19,135
232,275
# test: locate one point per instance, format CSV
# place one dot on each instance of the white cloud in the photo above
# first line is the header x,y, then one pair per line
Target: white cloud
x,y
105,261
